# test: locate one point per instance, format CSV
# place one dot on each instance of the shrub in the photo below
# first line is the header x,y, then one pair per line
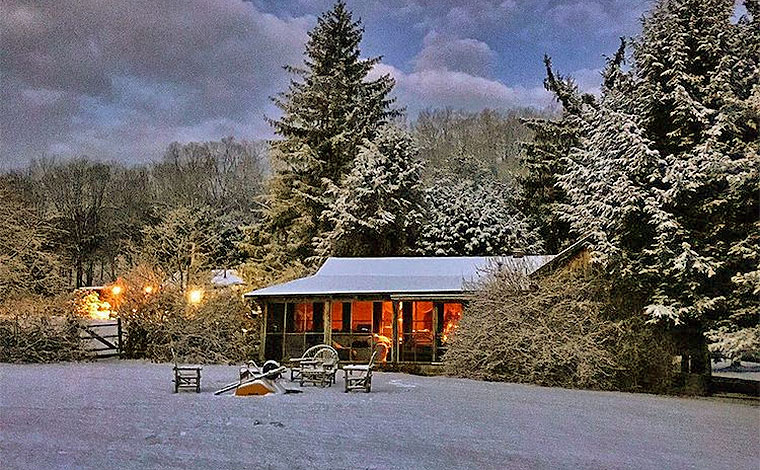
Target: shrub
x,y
218,330
39,329
567,332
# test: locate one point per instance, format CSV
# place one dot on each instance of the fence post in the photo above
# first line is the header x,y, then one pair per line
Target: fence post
x,y
119,332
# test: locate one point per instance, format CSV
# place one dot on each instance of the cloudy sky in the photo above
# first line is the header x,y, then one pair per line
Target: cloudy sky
x,y
120,80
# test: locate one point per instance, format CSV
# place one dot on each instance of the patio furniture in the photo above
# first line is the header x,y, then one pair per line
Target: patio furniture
x,y
295,362
359,377
186,376
321,369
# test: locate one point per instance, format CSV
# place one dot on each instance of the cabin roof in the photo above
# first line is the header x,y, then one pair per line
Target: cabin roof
x,y
413,275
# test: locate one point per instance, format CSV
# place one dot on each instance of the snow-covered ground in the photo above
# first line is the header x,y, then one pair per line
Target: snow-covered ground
x,y
743,370
123,415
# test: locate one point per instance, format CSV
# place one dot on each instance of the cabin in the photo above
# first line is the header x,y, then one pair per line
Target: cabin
x,y
407,308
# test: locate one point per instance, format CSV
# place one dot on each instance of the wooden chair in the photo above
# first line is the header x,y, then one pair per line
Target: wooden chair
x,y
359,377
186,376
294,363
321,369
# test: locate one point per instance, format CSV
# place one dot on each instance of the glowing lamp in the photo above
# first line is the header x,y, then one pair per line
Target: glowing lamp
x,y
117,290
195,296
148,290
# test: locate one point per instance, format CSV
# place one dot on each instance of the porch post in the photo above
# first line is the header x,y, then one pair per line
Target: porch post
x,y
395,356
436,313
263,332
327,320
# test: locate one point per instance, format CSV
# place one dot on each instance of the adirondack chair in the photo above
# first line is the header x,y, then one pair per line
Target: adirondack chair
x,y
321,369
186,376
359,377
295,362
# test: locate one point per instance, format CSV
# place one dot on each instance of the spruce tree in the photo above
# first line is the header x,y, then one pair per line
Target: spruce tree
x,y
329,108
666,175
543,158
378,206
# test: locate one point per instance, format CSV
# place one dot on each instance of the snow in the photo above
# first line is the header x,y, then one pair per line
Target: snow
x,y
122,414
225,278
398,275
744,370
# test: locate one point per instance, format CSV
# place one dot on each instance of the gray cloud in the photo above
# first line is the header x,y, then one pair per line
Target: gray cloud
x,y
447,88
441,52
121,80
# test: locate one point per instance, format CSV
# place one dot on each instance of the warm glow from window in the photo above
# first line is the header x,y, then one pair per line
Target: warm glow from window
x,y
452,313
361,317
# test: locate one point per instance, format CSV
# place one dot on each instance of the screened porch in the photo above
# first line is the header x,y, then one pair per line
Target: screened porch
x,y
403,331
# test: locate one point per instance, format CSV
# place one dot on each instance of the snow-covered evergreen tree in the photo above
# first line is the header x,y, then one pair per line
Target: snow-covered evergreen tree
x,y
666,173
474,214
543,160
378,205
330,108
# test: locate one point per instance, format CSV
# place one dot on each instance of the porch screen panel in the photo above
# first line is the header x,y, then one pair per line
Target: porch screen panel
x,y
316,334
303,318
406,338
341,329
422,331
450,313
275,330
383,334
303,327
361,330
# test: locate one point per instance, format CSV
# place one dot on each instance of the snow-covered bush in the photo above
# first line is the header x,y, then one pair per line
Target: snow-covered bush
x,y
563,331
219,329
735,345
40,329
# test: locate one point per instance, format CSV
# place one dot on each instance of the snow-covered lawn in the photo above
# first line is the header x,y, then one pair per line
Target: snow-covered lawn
x,y
123,415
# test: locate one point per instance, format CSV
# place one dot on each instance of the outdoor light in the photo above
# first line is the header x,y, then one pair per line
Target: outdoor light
x,y
148,289
194,296
116,290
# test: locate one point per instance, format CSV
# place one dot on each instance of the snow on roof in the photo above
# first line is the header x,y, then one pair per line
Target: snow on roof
x,y
396,275
225,278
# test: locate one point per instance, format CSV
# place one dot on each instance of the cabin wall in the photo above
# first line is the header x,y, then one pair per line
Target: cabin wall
x,y
580,262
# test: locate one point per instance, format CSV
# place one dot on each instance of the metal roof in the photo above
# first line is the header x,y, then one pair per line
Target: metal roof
x,y
357,276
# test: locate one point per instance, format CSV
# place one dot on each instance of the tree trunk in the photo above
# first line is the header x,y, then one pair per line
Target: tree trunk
x,y
79,271
90,269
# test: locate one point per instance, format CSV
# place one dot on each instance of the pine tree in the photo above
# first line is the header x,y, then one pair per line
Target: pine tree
x,y
378,206
666,174
328,110
543,160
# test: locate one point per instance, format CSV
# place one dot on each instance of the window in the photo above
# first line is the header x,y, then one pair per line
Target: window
x,y
361,317
306,317
452,313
